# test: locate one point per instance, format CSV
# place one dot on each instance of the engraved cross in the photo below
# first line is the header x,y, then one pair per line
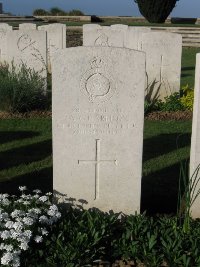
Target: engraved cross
x,y
97,163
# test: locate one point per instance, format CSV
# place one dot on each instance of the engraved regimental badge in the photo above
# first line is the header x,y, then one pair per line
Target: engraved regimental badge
x,y
97,83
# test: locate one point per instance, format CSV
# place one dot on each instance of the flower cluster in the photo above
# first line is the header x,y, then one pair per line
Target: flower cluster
x,y
22,220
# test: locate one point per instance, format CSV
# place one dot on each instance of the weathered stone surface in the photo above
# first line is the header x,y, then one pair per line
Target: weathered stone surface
x,y
98,114
28,47
163,61
96,35
56,39
4,28
195,140
27,26
133,37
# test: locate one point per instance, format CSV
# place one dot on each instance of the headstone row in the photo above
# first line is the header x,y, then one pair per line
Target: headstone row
x,y
32,47
163,53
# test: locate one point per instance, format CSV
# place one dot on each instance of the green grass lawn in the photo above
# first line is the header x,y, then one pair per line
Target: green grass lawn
x,y
26,158
188,65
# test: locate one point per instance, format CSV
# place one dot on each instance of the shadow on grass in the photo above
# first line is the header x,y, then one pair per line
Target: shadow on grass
x,y
184,71
187,68
9,136
42,180
160,191
26,154
164,143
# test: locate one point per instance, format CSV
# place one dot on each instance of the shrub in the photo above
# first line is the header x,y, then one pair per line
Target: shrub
x,y
56,11
187,98
156,11
21,89
40,12
172,103
75,12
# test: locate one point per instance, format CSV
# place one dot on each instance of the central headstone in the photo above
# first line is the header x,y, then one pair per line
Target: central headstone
x,y
98,114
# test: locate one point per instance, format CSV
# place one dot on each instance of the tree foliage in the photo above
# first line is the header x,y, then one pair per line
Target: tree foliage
x,y
156,11
40,12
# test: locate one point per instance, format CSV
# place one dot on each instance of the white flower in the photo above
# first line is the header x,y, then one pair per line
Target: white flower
x,y
7,258
43,198
24,246
5,234
37,191
18,226
36,211
4,216
17,213
44,231
48,194
38,239
2,196
22,188
28,221
5,202
15,234
8,247
26,202
28,233
43,219
36,196
9,224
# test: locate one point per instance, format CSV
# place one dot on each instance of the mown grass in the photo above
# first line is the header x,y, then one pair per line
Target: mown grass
x,y
188,65
108,22
26,158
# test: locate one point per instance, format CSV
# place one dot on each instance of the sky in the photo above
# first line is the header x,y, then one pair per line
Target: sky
x,y
184,8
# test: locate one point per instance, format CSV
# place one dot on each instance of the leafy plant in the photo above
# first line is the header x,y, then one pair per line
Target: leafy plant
x,y
191,191
156,11
21,89
152,102
187,98
172,103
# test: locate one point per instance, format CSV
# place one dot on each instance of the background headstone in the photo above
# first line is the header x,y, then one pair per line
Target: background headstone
x,y
133,37
98,115
56,39
163,61
28,47
195,140
27,26
96,35
4,28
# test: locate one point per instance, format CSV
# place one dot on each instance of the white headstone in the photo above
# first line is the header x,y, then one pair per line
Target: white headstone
x,y
56,39
28,47
195,141
98,114
163,61
4,28
27,26
133,37
96,35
